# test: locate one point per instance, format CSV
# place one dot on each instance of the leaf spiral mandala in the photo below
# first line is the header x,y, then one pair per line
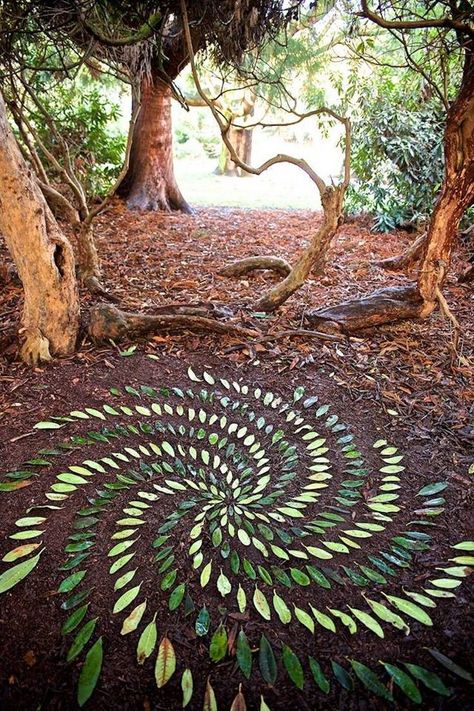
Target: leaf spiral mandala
x,y
242,513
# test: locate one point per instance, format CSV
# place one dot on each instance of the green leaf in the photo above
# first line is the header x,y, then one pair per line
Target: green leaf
x,y
450,665
71,581
202,622
299,577
47,426
165,663
368,621
241,599
14,575
20,552
387,615
187,687
318,675
370,680
261,604
244,654
267,661
223,584
218,646
409,608
74,619
432,489
131,622
176,596
304,618
405,682
345,619
206,574
281,609
126,598
343,677
81,639
293,666
147,642
90,673
428,678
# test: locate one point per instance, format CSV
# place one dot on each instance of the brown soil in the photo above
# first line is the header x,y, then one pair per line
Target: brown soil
x,y
409,369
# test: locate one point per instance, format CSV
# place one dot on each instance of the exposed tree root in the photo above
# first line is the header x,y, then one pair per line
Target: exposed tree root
x,y
110,323
93,285
407,258
467,276
383,306
35,348
250,264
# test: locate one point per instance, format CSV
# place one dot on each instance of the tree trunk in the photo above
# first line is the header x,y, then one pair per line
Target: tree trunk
x,y
150,183
241,139
87,257
457,193
43,256
313,256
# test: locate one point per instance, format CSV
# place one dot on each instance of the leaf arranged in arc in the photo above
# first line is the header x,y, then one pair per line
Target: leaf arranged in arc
x,y
177,596
281,608
370,680
238,703
293,666
431,680
405,682
342,676
450,665
318,675
202,622
90,672
223,584
165,663
74,619
12,576
187,686
210,702
131,622
147,641
81,639
409,608
261,604
244,654
267,661
367,620
218,645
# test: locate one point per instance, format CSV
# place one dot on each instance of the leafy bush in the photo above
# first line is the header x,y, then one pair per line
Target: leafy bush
x,y
397,161
84,116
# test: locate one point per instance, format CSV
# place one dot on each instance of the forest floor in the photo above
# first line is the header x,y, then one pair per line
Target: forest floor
x,y
402,384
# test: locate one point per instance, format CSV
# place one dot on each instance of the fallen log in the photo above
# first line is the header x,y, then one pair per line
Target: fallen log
x,y
250,264
110,323
384,306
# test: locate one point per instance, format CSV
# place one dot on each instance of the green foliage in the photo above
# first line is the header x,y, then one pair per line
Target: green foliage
x,y
83,115
397,158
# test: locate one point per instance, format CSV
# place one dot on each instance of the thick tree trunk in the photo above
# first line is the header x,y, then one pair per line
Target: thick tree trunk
x,y
313,256
457,195
241,139
43,256
150,183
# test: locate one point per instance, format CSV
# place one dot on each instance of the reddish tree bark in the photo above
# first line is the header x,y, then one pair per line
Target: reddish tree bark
x,y
150,183
456,196
457,192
